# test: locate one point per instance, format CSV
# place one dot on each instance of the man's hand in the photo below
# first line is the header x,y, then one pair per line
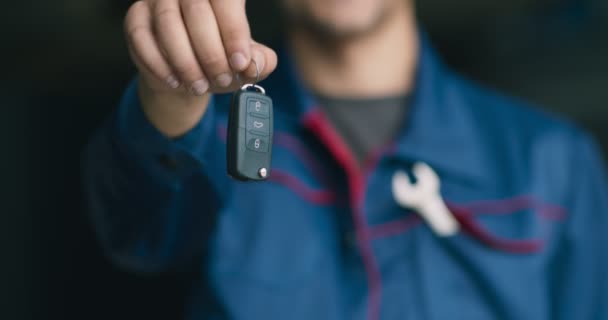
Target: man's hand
x,y
187,49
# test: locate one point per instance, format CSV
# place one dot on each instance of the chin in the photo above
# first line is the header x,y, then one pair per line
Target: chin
x,y
339,18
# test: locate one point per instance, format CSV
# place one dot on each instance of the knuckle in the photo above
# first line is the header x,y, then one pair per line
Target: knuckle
x,y
236,35
236,41
133,12
240,2
213,62
135,32
194,5
167,12
186,69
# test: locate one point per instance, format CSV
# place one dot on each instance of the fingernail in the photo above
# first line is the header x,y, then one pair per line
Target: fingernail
x,y
224,80
172,82
238,61
200,87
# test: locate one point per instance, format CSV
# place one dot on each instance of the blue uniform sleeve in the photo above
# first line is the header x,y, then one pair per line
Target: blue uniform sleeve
x,y
150,198
580,283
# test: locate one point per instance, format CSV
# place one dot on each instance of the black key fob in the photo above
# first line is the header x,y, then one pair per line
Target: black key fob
x,y
250,124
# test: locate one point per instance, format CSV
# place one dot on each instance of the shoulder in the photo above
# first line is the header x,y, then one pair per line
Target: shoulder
x,y
516,118
515,123
522,137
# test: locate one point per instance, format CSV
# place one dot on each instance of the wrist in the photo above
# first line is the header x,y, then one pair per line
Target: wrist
x,y
173,113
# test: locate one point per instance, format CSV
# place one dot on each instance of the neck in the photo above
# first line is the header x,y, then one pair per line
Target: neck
x,y
375,64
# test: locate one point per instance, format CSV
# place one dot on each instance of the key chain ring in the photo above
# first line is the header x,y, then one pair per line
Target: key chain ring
x,y
257,72
254,86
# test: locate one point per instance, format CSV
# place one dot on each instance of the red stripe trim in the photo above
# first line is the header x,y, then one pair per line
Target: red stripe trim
x,y
485,207
319,197
296,147
315,121
511,205
395,227
469,226
464,214
372,160
474,229
222,133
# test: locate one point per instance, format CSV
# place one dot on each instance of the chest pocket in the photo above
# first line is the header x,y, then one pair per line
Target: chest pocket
x,y
497,265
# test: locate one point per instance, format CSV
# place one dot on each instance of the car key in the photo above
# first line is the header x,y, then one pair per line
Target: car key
x,y
250,128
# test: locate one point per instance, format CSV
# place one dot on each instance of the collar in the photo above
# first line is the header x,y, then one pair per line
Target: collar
x,y
439,128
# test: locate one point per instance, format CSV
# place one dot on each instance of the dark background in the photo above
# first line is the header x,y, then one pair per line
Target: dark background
x,y
64,66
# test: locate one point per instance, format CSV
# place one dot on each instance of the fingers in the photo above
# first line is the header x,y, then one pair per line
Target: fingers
x,y
234,30
198,44
207,42
173,38
143,47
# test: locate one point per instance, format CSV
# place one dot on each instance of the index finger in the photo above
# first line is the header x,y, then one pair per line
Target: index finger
x,y
235,32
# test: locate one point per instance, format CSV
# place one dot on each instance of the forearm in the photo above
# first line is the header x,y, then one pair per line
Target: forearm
x,y
139,187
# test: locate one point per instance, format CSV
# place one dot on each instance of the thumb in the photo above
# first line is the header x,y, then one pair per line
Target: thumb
x,y
264,62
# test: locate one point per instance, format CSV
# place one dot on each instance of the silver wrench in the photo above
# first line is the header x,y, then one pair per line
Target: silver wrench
x,y
424,198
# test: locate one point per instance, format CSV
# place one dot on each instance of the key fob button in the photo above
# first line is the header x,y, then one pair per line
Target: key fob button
x,y
254,114
257,143
258,125
257,108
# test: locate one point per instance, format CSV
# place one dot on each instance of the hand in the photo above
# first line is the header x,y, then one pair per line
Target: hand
x,y
187,49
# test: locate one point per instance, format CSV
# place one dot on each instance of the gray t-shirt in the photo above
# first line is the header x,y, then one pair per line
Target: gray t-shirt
x,y
365,124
